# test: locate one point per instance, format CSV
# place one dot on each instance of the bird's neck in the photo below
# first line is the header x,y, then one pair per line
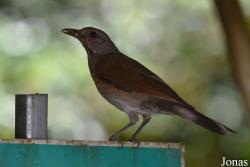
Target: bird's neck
x,y
94,58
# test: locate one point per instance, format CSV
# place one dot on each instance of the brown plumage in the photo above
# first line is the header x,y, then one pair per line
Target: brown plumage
x,y
131,87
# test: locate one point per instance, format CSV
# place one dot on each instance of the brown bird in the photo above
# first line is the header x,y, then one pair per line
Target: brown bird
x,y
132,87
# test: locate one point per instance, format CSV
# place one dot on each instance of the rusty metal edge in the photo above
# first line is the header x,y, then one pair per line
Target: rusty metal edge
x,y
97,143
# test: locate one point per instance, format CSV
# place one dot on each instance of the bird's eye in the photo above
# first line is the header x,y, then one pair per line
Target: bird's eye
x,y
93,34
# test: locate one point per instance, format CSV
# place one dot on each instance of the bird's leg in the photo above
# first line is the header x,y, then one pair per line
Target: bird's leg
x,y
146,119
133,119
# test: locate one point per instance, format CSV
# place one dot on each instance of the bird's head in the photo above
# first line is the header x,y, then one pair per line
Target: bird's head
x,y
94,40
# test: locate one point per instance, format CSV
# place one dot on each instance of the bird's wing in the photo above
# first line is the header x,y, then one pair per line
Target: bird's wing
x,y
129,75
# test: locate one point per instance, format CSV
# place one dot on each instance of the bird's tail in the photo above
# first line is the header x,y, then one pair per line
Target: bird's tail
x,y
204,121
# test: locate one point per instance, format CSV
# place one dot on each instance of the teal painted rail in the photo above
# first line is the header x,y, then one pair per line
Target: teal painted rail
x,y
54,153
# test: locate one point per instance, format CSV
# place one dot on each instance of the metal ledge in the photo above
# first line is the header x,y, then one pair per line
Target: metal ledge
x,y
94,143
80,153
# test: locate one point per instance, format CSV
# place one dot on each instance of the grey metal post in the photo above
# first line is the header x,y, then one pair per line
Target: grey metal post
x,y
31,112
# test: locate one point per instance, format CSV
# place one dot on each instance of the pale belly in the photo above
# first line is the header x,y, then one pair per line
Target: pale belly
x,y
128,101
137,103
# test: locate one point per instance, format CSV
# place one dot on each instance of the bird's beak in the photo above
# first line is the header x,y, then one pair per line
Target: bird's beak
x,y
70,31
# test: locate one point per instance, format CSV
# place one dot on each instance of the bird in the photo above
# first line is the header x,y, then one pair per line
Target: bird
x,y
133,88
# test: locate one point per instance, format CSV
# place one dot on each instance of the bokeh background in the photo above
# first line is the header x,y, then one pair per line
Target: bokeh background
x,y
181,41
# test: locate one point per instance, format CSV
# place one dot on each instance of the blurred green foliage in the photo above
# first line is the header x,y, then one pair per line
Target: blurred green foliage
x,y
180,41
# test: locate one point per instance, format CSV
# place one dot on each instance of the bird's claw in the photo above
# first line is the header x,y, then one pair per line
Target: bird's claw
x,y
113,138
135,140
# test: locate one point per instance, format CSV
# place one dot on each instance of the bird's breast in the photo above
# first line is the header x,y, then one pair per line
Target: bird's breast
x,y
128,101
123,100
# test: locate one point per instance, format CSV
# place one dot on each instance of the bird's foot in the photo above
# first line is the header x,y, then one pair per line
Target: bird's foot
x,y
113,138
135,140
